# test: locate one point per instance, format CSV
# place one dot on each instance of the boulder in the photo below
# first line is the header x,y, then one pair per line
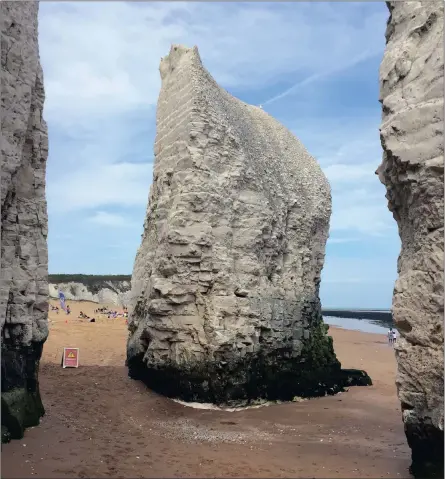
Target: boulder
x,y
412,93
24,256
225,302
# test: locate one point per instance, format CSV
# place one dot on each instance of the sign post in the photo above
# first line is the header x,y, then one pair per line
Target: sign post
x,y
70,358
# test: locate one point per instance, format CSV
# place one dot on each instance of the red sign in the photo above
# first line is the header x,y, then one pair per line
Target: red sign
x,y
70,358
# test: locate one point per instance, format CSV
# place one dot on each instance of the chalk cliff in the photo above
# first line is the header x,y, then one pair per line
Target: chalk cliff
x,y
80,292
225,285
24,258
109,289
411,92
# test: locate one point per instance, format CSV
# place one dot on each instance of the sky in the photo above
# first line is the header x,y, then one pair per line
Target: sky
x,y
313,66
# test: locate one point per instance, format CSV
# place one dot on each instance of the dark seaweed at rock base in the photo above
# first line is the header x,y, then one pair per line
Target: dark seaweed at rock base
x,y
20,400
268,375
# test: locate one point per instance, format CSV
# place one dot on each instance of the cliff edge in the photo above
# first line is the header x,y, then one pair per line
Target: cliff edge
x,y
412,94
24,256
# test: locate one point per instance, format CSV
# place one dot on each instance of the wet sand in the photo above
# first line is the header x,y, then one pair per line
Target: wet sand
x,y
100,423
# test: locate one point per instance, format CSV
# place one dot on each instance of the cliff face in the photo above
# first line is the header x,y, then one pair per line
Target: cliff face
x,y
103,292
225,284
411,91
24,261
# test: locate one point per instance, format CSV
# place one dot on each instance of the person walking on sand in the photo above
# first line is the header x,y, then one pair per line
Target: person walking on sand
x,y
390,336
394,336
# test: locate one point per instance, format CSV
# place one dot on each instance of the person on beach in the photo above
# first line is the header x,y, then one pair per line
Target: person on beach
x,y
394,336
390,336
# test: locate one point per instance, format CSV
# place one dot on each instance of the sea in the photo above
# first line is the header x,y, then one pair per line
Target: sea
x,y
372,324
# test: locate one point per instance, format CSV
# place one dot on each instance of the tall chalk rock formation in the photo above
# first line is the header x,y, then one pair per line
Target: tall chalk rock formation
x,y
24,257
225,285
412,94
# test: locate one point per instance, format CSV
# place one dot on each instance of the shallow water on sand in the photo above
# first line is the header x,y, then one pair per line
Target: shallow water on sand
x,y
214,407
364,325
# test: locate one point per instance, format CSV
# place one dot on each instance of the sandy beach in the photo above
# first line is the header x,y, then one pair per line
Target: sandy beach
x,y
100,423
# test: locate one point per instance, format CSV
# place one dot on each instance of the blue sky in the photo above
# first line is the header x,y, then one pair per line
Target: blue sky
x,y
314,67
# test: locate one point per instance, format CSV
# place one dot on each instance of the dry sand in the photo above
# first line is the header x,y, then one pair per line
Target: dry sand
x,y
100,423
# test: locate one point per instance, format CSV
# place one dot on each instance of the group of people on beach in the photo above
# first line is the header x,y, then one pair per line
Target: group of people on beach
x,y
57,309
106,311
103,310
112,314
82,315
392,336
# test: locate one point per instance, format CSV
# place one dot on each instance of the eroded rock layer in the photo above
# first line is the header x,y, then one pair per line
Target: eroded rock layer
x,y
225,303
412,91
24,258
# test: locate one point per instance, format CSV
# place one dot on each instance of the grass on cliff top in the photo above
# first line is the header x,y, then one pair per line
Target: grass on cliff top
x,y
93,282
87,279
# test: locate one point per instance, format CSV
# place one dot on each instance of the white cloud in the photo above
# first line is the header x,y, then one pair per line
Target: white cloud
x,y
345,173
348,63
358,281
124,184
349,152
101,75
358,202
102,218
348,280
358,199
341,140
121,246
101,63
362,212
60,236
104,57
337,240
344,270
